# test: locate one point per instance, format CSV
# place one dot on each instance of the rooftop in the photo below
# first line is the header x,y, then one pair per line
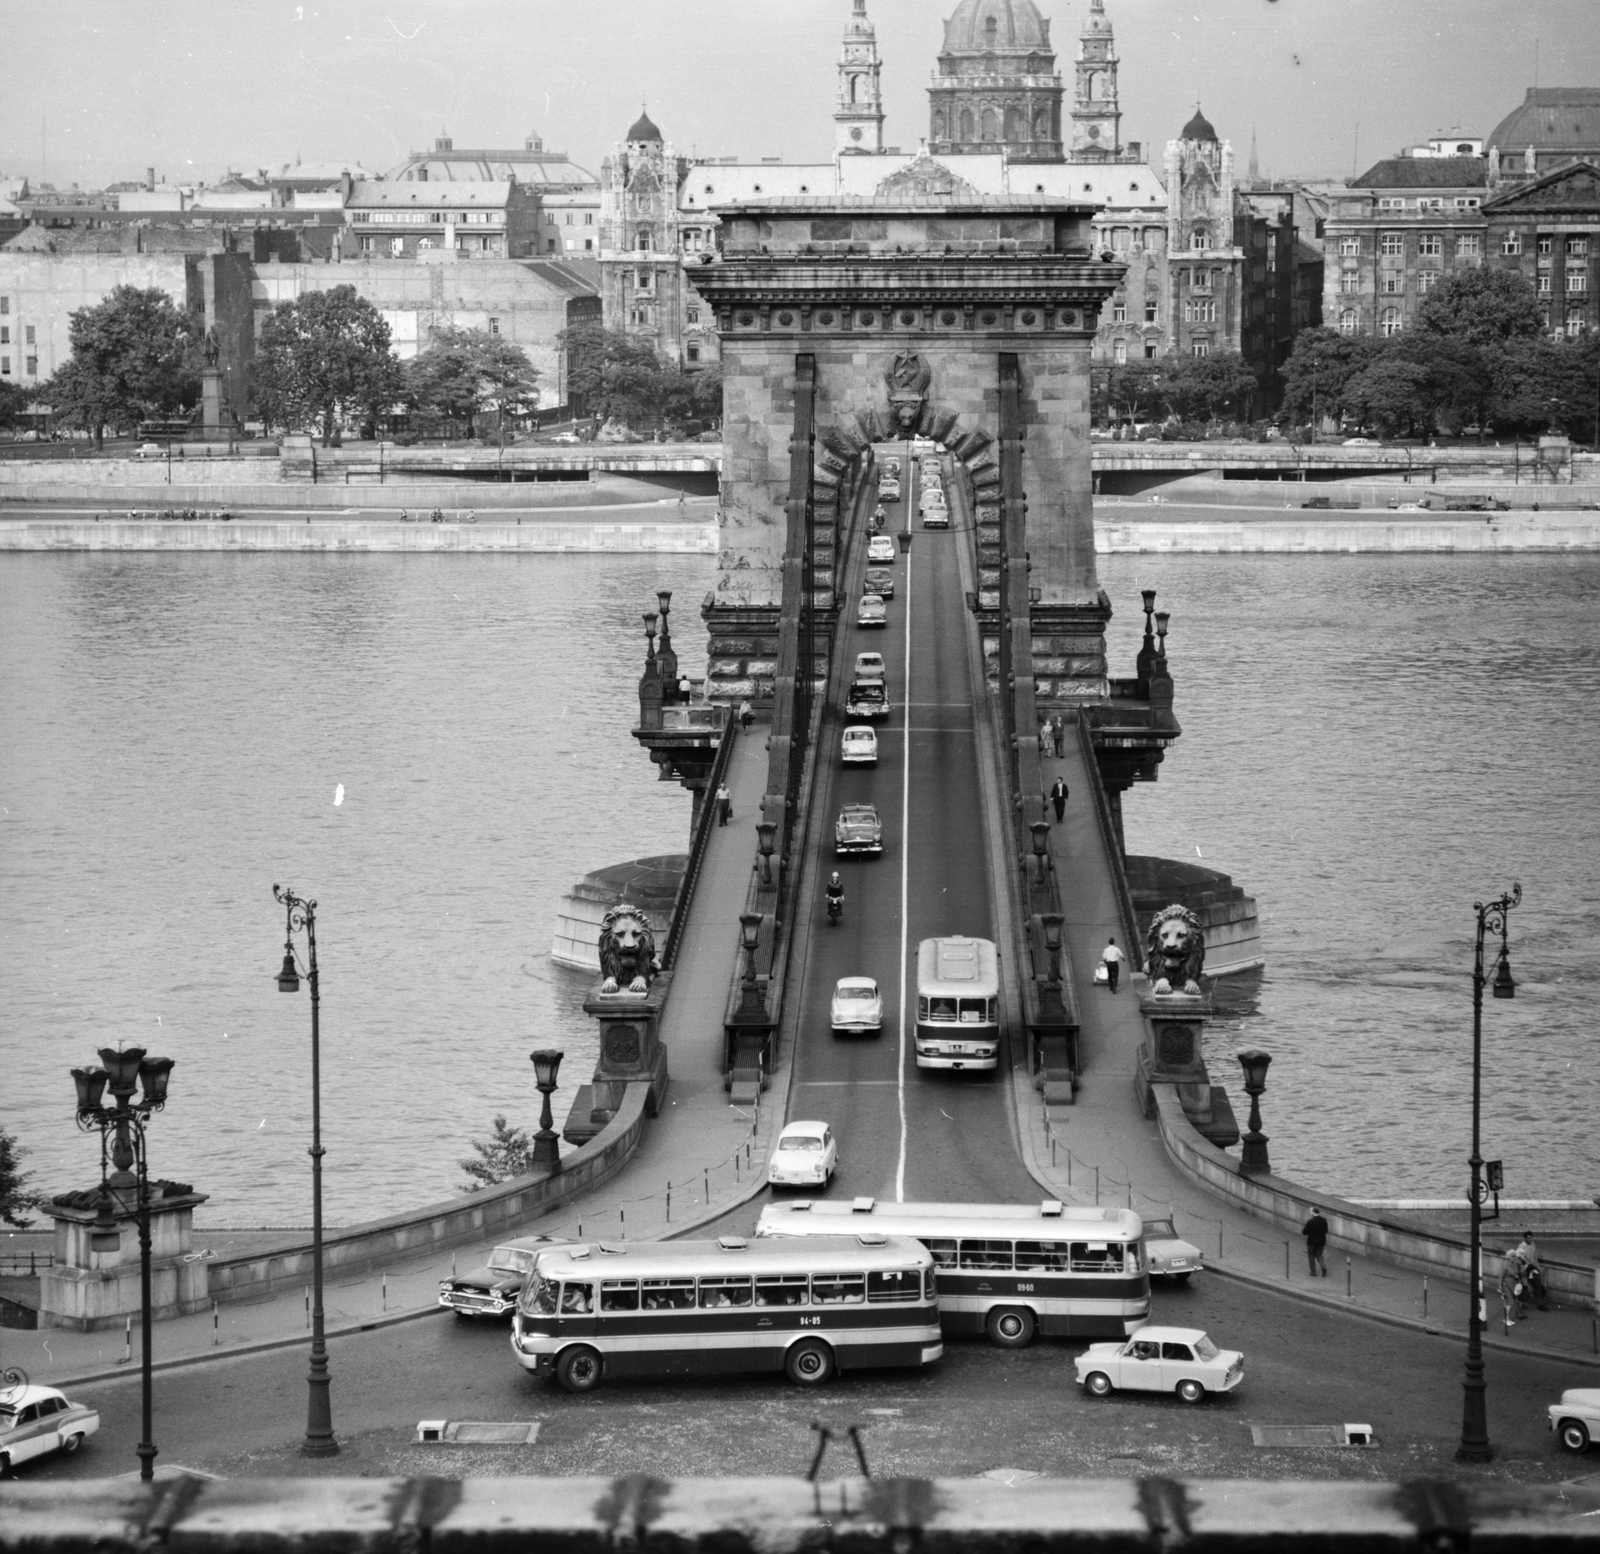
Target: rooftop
x,y
1552,117
1443,172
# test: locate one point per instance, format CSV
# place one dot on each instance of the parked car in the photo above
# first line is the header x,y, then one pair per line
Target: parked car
x,y
1168,1256
880,548
566,439
149,450
857,1006
859,746
880,580
872,611
858,830
1576,1418
1160,1359
805,1155
1362,442
492,1290
869,666
37,1420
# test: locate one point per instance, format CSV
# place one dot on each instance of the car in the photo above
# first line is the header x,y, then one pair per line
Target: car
x,y
1362,442
891,467
889,491
880,548
867,699
805,1155
149,450
872,611
933,502
37,1420
869,666
857,1006
858,746
1166,1255
1160,1359
858,830
492,1290
566,439
936,518
1576,1418
880,581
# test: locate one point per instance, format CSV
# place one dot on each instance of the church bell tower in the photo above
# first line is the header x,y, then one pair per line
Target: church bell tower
x,y
1096,119
859,116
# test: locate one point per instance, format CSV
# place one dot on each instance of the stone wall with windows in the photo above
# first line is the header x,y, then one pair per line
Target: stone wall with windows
x,y
1548,231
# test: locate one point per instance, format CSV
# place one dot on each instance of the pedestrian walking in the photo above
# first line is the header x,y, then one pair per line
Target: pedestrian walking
x,y
1058,730
1315,1230
746,717
1046,744
724,805
1058,797
1527,1257
1111,956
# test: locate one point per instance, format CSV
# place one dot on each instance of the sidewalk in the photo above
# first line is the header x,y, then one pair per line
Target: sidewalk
x,y
1102,1150
700,1158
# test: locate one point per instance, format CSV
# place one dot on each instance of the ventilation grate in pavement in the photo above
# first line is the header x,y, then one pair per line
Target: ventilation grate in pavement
x,y
475,1432
1293,1436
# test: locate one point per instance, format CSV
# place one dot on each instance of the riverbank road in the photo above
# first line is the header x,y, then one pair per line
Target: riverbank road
x,y
700,1158
1102,1149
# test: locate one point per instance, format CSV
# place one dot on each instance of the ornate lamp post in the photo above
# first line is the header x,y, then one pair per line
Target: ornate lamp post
x,y
666,657
546,1144
121,1126
1253,1157
298,914
1474,1445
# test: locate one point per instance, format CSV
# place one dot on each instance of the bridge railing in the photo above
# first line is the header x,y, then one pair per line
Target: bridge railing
x,y
702,832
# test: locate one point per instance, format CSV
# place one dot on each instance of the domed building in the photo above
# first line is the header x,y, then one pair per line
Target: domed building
x,y
996,87
1551,126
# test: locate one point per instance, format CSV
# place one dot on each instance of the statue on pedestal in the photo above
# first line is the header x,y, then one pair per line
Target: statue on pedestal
x,y
627,950
1176,952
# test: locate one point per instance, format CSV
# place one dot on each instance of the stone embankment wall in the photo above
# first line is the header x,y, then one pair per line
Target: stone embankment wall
x,y
467,1219
1347,534
356,536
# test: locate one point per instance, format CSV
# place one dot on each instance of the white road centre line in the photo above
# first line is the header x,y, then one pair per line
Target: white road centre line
x,y
905,846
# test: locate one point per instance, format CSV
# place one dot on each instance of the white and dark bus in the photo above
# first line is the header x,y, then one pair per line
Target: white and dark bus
x,y
702,1308
958,1003
1006,1269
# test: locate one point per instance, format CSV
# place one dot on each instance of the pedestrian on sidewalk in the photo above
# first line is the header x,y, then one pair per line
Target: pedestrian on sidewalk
x,y
1112,957
1058,731
1058,797
1315,1230
746,717
1046,743
1527,1256
724,805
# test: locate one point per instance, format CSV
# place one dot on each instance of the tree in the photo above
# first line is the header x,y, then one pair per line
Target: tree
x,y
1134,390
15,1196
1390,396
132,360
1210,388
1322,362
619,377
13,405
324,355
1457,386
1543,383
465,372
705,392
509,1153
1486,308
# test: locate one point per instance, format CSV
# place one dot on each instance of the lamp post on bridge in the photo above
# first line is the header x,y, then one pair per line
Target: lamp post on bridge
x,y
121,1127
302,914
1474,1445
546,1143
1253,1156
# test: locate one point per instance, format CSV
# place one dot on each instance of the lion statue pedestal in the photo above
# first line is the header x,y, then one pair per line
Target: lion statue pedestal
x,y
627,1001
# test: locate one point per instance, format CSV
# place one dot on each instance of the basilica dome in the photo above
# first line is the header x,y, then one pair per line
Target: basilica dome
x,y
1002,25
1553,118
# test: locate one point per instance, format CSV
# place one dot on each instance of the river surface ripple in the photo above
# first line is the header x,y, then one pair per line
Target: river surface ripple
x,y
1371,744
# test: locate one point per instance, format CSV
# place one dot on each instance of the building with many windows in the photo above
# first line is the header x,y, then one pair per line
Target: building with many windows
x,y
472,220
1548,229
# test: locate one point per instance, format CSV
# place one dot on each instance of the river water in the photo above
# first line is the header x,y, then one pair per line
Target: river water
x,y
1372,743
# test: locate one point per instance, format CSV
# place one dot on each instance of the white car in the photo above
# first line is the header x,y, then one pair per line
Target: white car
x,y
869,666
859,745
1362,442
37,1420
880,548
891,467
1160,1359
1167,1255
149,450
1576,1418
872,611
566,439
804,1156
889,491
857,1006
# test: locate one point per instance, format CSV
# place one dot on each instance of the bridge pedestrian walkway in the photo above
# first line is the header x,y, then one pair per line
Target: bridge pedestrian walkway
x,y
708,1152
1102,1149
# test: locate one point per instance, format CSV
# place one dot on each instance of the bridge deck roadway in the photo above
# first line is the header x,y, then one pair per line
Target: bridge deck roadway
x,y
906,1133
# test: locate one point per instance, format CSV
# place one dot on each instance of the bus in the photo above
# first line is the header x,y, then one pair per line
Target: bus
x,y
1006,1269
958,1003
703,1308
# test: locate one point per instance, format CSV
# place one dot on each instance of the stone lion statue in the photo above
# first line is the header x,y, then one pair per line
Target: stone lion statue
x,y
627,950
1176,951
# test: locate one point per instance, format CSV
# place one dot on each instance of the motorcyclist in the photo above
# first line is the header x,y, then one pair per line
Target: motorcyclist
x,y
835,894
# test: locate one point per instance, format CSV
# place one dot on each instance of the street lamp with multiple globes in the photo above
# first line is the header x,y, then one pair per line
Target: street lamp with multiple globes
x,y
121,1127
1474,1445
301,914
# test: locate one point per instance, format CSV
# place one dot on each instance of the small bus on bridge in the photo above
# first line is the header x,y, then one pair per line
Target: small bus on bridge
x,y
705,1308
958,1003
1005,1269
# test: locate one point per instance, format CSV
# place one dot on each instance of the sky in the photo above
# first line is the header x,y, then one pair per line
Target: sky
x,y
99,90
